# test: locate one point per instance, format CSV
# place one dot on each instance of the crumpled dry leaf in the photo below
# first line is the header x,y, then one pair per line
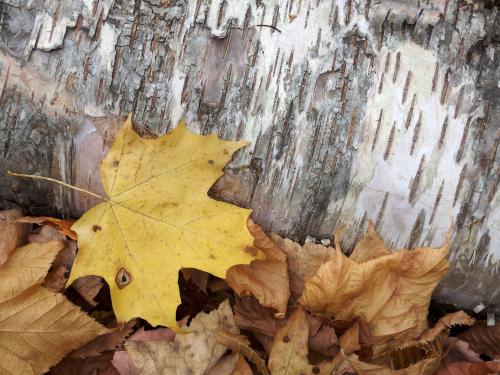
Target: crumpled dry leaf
x,y
12,233
62,226
303,261
371,246
240,344
100,365
58,274
459,318
483,339
88,287
121,359
392,292
355,336
266,279
426,367
31,316
197,349
225,365
46,233
158,219
242,367
289,353
414,357
108,341
457,350
198,278
250,315
466,368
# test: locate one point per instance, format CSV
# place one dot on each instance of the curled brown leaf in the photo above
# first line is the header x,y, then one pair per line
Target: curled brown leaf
x,y
267,279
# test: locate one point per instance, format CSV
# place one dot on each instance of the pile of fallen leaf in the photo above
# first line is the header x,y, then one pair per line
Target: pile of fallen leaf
x,y
162,279
304,310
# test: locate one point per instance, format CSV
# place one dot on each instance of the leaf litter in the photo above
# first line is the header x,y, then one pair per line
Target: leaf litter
x,y
255,303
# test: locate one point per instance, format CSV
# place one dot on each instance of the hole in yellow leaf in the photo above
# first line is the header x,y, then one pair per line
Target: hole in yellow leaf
x,y
123,278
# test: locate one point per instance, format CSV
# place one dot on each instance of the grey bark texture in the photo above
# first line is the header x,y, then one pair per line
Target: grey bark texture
x,y
357,110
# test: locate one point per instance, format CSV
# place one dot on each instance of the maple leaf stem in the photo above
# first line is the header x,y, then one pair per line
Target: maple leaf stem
x,y
10,173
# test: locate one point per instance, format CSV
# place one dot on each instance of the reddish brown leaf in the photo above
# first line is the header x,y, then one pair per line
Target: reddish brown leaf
x,y
457,350
62,226
109,341
466,368
197,277
100,365
250,315
483,339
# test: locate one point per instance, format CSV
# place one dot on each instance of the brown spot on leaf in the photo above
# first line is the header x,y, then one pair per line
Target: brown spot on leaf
x,y
96,228
286,338
211,161
116,163
123,278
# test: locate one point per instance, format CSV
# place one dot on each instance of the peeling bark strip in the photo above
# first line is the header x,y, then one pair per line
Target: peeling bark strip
x,y
341,100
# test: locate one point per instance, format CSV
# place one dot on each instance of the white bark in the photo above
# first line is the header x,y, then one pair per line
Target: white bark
x,y
357,110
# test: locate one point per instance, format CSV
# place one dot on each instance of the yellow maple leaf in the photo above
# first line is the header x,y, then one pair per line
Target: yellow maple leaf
x,y
158,219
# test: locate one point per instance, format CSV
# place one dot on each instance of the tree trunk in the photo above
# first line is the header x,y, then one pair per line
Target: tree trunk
x,y
357,110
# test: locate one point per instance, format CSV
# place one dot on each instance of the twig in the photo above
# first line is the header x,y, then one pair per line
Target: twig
x,y
10,173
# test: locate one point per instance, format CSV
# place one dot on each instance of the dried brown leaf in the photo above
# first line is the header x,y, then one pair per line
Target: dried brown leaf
x,y
102,343
370,247
62,226
466,368
100,365
391,292
197,277
250,315
121,359
58,274
239,344
267,280
459,318
12,234
457,350
56,279
88,287
289,353
44,234
415,356
242,367
225,365
426,367
483,339
32,316
303,261
197,349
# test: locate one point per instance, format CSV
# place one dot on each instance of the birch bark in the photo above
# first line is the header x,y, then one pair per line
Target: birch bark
x,y
357,110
